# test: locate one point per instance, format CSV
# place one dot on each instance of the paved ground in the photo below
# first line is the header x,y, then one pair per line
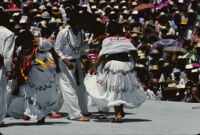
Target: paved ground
x,y
151,118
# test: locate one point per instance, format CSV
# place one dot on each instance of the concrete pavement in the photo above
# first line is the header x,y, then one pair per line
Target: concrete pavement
x,y
153,118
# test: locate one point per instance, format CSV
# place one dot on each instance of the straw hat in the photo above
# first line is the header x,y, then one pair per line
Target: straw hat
x,y
126,21
44,24
125,12
99,20
154,68
124,7
38,16
5,1
123,2
53,20
135,30
166,64
112,13
140,66
154,52
143,57
162,13
58,21
116,7
134,35
171,3
134,3
191,11
189,66
46,15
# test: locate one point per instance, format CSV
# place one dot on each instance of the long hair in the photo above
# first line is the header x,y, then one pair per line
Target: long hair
x,y
114,29
4,18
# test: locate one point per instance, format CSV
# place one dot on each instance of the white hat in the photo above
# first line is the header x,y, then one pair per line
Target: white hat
x,y
59,20
191,11
166,64
94,7
49,5
154,52
23,19
135,12
134,3
16,14
198,45
189,66
112,13
140,65
35,1
44,24
53,20
84,5
45,15
116,7
162,13
124,7
126,12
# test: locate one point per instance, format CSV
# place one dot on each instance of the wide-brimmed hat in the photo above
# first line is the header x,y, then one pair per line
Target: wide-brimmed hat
x,y
44,24
139,66
154,68
58,20
46,15
134,3
125,12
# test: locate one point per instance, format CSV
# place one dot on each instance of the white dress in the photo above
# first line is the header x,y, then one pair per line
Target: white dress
x,y
117,84
38,95
6,50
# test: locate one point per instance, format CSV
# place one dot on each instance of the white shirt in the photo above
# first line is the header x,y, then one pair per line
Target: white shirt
x,y
7,43
150,95
68,44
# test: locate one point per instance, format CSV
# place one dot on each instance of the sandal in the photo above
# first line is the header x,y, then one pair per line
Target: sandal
x,y
25,117
82,118
117,119
102,116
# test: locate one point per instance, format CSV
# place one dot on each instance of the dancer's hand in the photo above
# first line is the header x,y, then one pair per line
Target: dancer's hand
x,y
57,69
8,75
93,71
70,66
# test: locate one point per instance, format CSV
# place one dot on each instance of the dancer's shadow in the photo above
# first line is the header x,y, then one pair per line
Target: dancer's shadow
x,y
96,114
125,120
35,124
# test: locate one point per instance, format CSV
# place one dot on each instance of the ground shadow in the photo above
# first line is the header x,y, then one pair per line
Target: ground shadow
x,y
34,124
110,113
125,120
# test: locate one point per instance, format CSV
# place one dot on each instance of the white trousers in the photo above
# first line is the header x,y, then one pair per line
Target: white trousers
x,y
3,103
75,97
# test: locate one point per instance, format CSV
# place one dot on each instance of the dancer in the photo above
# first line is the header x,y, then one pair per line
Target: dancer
x,y
6,52
36,81
115,84
68,44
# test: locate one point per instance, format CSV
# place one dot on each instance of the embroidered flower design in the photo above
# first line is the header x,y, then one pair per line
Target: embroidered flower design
x,y
101,84
113,89
138,86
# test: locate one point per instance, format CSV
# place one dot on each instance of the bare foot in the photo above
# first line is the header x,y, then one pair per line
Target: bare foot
x,y
82,118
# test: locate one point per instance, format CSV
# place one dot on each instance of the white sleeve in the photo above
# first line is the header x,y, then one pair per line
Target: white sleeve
x,y
45,45
59,44
8,51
